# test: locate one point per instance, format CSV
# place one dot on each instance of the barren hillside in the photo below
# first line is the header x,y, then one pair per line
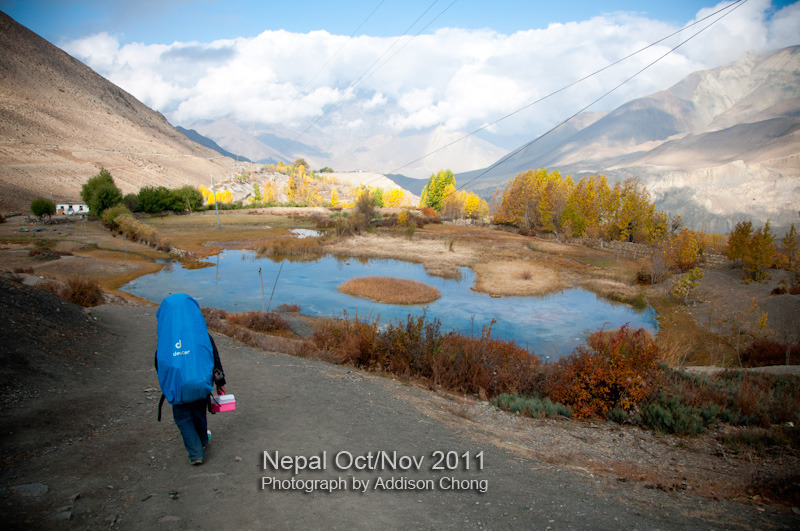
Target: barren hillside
x,y
720,146
60,122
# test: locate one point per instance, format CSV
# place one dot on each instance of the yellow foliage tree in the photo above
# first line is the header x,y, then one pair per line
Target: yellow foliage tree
x,y
474,206
334,198
394,198
452,202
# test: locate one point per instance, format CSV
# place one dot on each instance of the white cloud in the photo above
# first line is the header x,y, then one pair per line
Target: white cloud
x,y
454,79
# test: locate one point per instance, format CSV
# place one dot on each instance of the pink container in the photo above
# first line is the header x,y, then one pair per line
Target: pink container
x,y
223,403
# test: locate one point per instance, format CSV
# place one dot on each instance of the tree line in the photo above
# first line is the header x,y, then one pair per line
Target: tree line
x,y
545,201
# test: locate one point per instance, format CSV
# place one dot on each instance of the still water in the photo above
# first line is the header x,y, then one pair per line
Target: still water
x,y
551,325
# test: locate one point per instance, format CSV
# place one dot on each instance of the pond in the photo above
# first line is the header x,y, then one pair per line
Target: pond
x,y
552,325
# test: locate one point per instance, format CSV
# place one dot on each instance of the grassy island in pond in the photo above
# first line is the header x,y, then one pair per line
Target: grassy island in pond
x,y
390,290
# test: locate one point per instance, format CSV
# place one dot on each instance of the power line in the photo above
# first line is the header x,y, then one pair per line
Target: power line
x,y
531,104
730,8
337,51
348,90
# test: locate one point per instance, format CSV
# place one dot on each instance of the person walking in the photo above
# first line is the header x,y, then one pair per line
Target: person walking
x,y
188,367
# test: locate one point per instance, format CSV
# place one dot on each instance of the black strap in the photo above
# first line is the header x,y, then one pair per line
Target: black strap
x,y
208,404
160,403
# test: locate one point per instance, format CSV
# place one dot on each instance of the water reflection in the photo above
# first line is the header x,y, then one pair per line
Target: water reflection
x,y
551,325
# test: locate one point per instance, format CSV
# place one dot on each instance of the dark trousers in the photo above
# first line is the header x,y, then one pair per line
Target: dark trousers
x,y
191,420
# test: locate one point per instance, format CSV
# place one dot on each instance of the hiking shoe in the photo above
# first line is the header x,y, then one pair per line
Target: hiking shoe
x,y
196,462
209,438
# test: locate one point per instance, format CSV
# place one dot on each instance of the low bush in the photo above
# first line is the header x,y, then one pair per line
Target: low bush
x,y
136,230
415,348
764,352
21,270
738,398
77,291
288,308
111,214
673,416
45,256
618,370
429,215
82,292
259,321
33,253
532,406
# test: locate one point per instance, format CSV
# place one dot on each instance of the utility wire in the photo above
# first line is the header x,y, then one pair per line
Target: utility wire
x,y
734,6
348,90
584,78
322,68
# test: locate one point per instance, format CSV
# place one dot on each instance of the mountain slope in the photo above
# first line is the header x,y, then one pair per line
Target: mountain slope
x,y
60,122
719,146
194,136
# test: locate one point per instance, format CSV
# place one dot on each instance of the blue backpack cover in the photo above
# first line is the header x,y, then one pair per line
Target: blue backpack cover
x,y
184,354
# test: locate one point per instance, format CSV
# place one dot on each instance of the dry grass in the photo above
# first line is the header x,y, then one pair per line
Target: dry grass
x,y
291,246
683,342
429,252
390,290
516,278
238,229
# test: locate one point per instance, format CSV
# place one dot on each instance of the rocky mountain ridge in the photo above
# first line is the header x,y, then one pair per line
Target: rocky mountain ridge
x,y
720,146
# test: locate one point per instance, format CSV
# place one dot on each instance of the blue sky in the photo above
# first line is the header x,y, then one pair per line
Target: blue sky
x,y
154,21
379,99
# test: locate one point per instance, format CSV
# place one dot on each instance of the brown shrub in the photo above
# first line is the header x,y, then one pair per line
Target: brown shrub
x,y
416,348
618,370
742,398
21,270
430,215
259,321
287,308
78,291
764,352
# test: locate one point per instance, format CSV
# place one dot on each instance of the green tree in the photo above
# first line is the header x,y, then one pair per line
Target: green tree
x,y
189,197
131,202
759,254
41,206
433,193
156,199
100,192
738,240
377,197
686,285
789,247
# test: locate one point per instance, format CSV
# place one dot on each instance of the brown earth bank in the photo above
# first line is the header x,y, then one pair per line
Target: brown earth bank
x,y
82,445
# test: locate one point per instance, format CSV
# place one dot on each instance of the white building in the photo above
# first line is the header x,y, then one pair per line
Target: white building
x,y
72,209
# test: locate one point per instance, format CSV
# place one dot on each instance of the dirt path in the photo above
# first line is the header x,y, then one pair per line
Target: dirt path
x,y
111,463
